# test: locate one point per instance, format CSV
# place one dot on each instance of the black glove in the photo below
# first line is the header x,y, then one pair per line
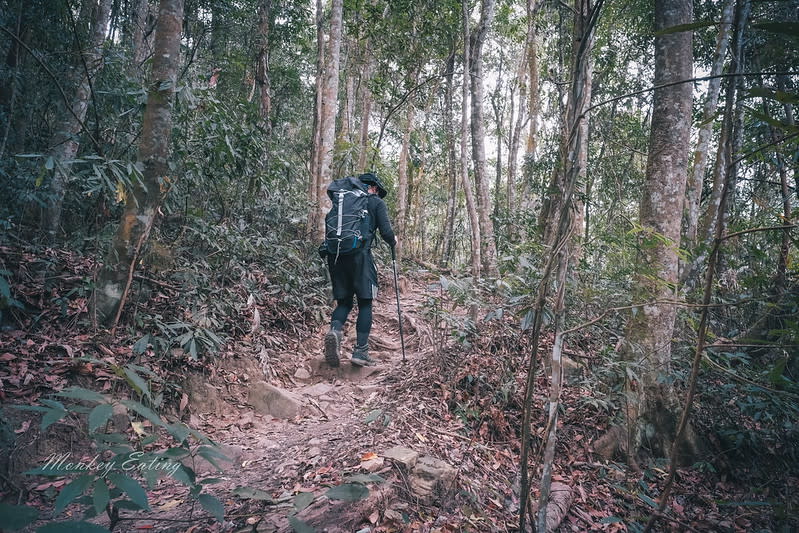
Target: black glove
x,y
323,251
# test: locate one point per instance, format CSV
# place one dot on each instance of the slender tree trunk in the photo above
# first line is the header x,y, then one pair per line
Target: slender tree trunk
x,y
586,66
348,109
403,182
140,51
262,70
780,276
64,144
732,111
652,408
488,252
573,155
452,173
142,205
366,108
527,80
497,104
468,192
314,207
697,176
327,130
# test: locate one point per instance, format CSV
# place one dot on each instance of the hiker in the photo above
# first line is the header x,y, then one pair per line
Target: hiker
x,y
358,210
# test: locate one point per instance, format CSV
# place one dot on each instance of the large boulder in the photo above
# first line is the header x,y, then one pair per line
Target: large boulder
x,y
273,401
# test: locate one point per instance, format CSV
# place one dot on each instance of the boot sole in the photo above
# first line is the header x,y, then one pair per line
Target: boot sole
x,y
332,349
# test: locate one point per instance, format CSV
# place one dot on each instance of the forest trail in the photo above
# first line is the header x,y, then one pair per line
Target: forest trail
x,y
342,428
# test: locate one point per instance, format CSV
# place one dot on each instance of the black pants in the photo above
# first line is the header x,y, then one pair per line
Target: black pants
x,y
364,323
354,275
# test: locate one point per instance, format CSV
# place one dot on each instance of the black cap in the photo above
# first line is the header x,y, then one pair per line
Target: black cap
x,y
371,179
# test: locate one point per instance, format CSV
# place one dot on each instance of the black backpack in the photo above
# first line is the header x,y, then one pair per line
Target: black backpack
x,y
347,224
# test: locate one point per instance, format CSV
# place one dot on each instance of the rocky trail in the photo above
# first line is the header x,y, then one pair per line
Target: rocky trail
x,y
325,427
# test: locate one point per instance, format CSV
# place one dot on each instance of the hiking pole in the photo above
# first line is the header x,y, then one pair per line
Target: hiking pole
x,y
396,291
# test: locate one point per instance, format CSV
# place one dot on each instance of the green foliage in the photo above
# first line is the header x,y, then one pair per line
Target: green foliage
x,y
113,479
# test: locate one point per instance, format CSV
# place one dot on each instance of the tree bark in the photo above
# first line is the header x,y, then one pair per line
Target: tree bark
x,y
574,144
142,205
313,174
452,173
329,109
468,192
140,51
488,252
262,70
403,181
651,411
697,176
366,108
64,143
727,141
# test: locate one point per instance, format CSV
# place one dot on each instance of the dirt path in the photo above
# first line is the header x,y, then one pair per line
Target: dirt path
x,y
339,433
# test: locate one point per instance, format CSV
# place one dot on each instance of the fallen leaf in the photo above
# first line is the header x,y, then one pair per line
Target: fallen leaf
x,y
368,456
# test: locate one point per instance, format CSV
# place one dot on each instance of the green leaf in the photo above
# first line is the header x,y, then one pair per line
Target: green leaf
x,y
131,487
251,493
14,517
137,382
213,506
72,527
365,478
99,416
175,453
685,27
101,495
211,454
141,345
349,492
79,393
780,96
179,432
144,411
299,526
70,492
184,475
303,500
788,28
372,416
649,501
611,520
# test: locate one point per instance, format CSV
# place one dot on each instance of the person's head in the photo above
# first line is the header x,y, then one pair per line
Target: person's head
x,y
374,184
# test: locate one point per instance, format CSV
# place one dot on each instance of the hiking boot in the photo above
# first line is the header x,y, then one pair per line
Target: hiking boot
x,y
360,357
333,346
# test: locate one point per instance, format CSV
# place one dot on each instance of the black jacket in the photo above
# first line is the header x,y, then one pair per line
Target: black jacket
x,y
379,212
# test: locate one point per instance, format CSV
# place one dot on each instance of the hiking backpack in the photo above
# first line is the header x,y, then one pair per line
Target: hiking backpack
x,y
347,226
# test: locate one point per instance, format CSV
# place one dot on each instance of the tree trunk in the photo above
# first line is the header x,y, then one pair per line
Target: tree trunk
x,y
471,207
366,108
142,206
727,140
488,252
262,70
574,143
585,65
651,404
314,207
452,173
140,51
697,176
402,182
327,127
64,142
